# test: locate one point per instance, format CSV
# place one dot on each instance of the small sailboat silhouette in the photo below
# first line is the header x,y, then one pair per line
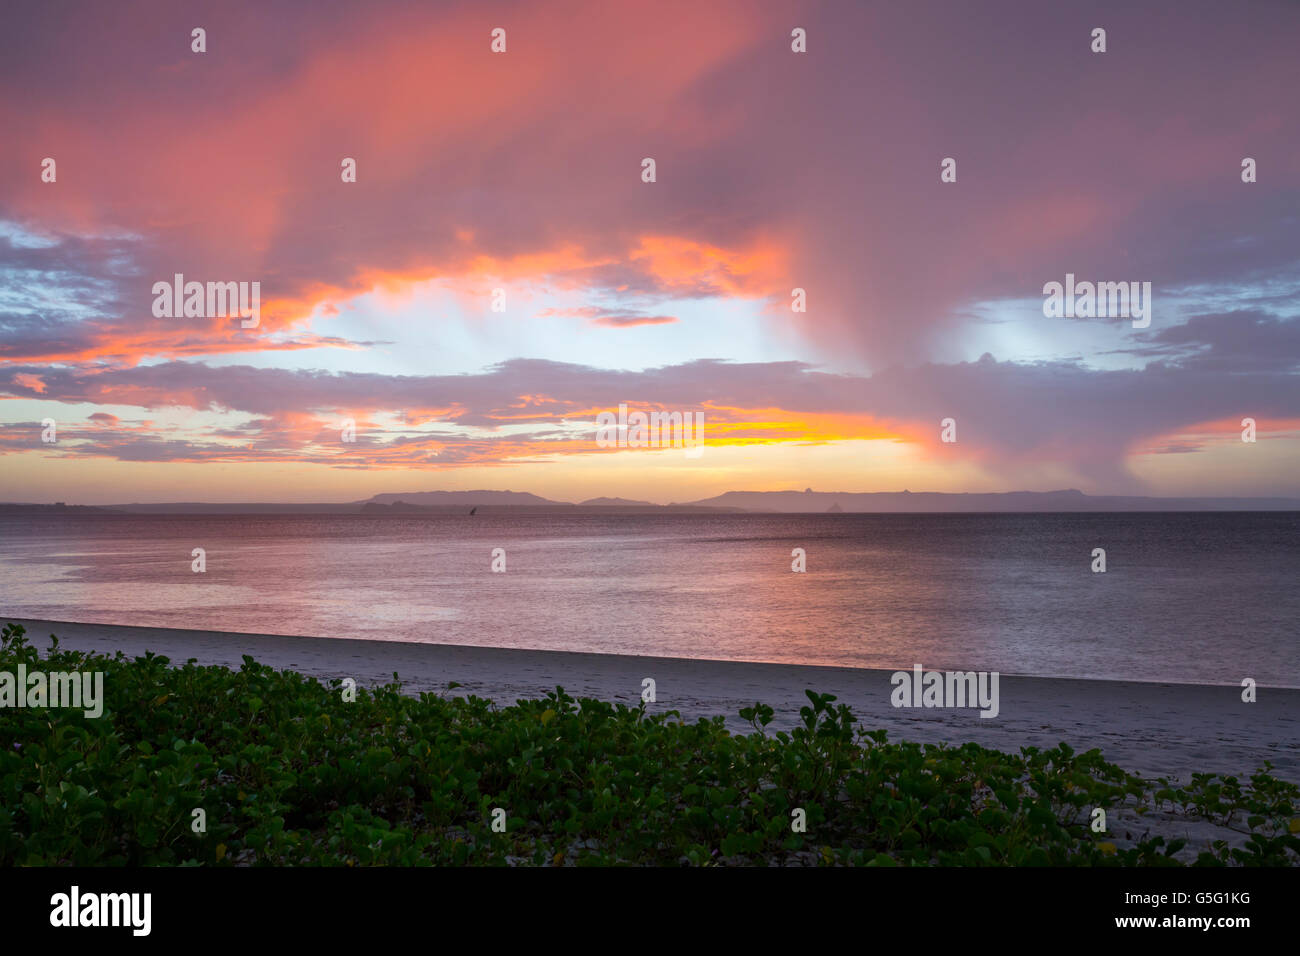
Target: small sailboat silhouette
x,y
474,509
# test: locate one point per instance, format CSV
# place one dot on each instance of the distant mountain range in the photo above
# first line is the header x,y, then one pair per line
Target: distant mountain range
x,y
923,501
780,502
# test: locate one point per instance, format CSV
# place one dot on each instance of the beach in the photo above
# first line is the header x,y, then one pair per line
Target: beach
x,y
1153,729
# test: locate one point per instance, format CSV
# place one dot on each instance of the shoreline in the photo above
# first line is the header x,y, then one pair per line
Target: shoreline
x,y
1153,729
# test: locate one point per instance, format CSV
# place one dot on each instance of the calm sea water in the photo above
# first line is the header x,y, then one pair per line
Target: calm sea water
x,y
1205,598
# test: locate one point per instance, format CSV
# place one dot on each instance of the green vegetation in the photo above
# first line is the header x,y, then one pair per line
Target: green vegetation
x,y
289,773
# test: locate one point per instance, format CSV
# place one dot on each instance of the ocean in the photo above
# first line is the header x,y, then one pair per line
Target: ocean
x,y
1207,598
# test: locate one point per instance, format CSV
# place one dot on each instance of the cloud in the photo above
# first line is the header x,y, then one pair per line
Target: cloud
x,y
775,170
1008,414
755,194
626,321
1238,342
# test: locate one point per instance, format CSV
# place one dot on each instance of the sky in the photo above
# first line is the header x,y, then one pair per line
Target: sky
x,y
501,272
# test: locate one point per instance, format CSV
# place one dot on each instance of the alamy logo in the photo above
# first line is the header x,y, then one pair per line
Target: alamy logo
x,y
82,690
653,430
946,689
1103,300
213,300
102,909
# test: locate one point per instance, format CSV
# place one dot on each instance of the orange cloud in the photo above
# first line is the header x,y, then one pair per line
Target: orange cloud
x,y
760,270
